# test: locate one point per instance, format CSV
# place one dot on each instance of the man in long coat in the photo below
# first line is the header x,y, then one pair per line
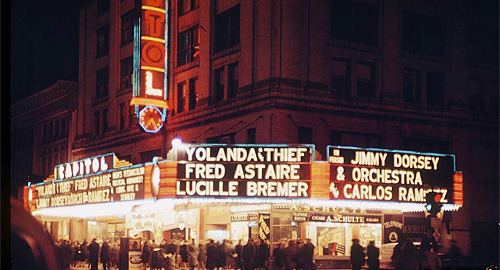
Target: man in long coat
x,y
248,255
307,253
105,255
357,255
93,254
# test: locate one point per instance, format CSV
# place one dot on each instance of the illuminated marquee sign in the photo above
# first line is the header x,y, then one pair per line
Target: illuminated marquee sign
x,y
85,167
336,218
279,171
150,64
389,175
106,185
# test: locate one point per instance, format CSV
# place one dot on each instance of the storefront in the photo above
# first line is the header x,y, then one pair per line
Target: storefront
x,y
235,192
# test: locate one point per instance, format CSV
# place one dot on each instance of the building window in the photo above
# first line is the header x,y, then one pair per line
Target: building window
x,y
423,34
147,156
102,41
227,29
233,73
219,84
354,139
226,138
51,131
127,33
435,89
305,135
64,127
123,115
354,22
104,121
181,96
476,94
187,45
426,145
187,5
193,95
126,73
102,6
102,82
412,92
97,124
341,76
56,133
482,30
251,132
365,73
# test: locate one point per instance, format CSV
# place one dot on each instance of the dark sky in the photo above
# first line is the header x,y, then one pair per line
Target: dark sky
x,y
43,45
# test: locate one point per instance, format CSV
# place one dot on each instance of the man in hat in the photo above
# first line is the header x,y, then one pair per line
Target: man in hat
x,y
357,255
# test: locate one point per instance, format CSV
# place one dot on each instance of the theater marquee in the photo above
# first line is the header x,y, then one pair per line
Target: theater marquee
x,y
91,180
389,175
279,171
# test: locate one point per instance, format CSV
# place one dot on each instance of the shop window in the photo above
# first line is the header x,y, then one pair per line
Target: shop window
x,y
102,82
102,7
102,47
435,89
184,6
412,86
219,84
423,34
127,28
251,138
147,156
227,29
305,135
355,22
126,69
476,94
181,96
187,45
341,76
365,73
193,95
233,73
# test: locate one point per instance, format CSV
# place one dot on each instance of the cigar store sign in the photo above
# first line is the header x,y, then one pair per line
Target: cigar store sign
x,y
278,171
389,175
101,185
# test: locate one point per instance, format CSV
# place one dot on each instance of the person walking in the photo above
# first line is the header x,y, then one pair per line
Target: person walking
x,y
248,255
279,256
192,252
221,255
211,254
307,253
202,255
357,255
429,260
291,255
408,257
238,260
373,254
105,255
145,255
262,253
94,254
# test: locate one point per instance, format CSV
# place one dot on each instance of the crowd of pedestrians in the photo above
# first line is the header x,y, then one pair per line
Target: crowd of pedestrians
x,y
252,255
73,254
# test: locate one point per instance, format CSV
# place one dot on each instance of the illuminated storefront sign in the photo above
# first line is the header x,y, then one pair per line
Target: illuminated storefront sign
x,y
150,60
336,218
387,175
244,171
107,185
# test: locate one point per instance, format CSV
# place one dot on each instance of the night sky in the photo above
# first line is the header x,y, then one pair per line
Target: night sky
x,y
43,45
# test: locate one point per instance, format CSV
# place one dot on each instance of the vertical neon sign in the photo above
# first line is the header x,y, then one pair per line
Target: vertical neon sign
x,y
150,62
